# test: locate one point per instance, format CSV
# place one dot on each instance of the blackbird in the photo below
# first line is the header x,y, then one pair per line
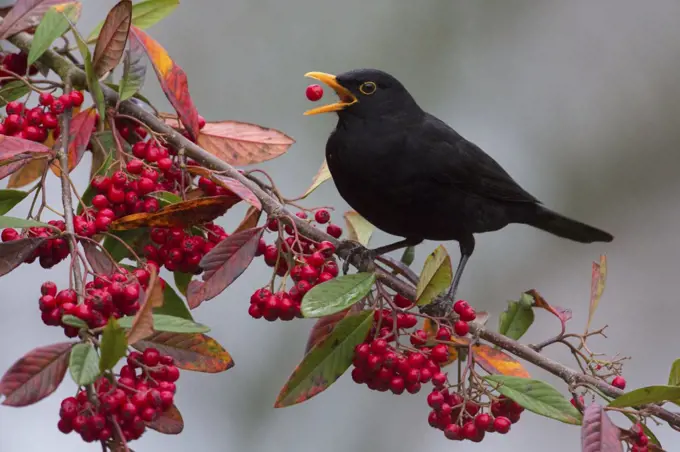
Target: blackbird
x,y
411,175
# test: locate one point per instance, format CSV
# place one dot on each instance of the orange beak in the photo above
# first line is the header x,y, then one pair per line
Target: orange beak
x,y
345,95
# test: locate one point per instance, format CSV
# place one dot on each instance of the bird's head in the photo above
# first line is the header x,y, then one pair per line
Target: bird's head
x,y
365,93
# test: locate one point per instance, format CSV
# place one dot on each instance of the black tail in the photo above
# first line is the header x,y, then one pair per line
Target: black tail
x,y
567,228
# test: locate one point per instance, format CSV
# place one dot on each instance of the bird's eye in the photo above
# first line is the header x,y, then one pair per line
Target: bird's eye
x,y
367,88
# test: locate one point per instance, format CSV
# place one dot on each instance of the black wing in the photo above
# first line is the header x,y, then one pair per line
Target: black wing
x,y
465,166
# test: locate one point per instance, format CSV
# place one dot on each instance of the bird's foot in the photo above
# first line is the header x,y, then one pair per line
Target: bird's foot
x,y
356,254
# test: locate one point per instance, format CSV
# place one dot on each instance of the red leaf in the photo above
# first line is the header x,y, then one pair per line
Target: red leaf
x,y
223,264
36,375
598,432
14,253
112,38
195,352
80,132
172,78
241,143
239,189
170,422
16,152
142,324
25,14
100,262
563,314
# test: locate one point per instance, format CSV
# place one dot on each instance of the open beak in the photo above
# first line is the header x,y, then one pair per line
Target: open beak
x,y
345,95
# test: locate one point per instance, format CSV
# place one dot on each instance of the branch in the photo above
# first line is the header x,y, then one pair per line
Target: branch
x,y
273,207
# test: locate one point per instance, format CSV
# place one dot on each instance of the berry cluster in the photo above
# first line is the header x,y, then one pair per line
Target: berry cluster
x,y
35,123
461,419
50,252
307,263
639,439
16,63
144,389
176,249
114,295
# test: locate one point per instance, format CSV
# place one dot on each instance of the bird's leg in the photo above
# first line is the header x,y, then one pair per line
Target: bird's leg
x,y
467,246
368,255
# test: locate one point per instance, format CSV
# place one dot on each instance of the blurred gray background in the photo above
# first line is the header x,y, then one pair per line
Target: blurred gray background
x,y
578,101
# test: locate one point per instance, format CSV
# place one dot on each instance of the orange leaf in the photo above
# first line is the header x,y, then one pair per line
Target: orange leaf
x,y
495,361
169,422
597,283
112,38
250,220
182,214
27,174
195,352
172,78
142,324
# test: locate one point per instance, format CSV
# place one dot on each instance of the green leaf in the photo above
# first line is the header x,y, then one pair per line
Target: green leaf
x,y
9,199
12,91
537,396
516,320
674,376
116,87
54,23
436,276
169,324
103,170
336,294
165,198
182,281
114,345
408,255
173,305
326,361
13,222
74,321
134,71
648,394
84,364
144,15
92,81
133,238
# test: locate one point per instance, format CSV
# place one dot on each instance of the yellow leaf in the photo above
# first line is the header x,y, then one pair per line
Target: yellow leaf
x,y
359,228
142,324
599,277
27,174
322,176
436,276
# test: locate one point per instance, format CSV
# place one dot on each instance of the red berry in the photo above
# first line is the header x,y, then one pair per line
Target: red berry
x,y
164,164
45,99
419,337
397,385
65,99
67,296
79,423
619,382
76,98
50,121
135,166
469,430
461,328
48,288
102,223
402,302
501,425
453,432
468,315
13,123
439,379
14,108
148,414
47,303
35,116
115,194
64,426
314,92
435,399
172,374
57,107
439,353
483,421
334,230
151,357
379,347
460,305
9,235
69,408
322,216
201,122
145,185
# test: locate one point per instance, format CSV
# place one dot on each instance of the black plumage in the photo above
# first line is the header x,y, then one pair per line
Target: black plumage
x,y
411,175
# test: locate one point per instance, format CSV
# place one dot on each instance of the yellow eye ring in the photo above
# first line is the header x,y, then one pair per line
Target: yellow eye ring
x,y
368,88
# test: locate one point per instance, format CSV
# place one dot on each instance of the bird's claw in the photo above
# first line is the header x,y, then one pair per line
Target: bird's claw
x,y
357,254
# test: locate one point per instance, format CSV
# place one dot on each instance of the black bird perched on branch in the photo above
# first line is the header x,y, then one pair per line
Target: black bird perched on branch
x,y
413,176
